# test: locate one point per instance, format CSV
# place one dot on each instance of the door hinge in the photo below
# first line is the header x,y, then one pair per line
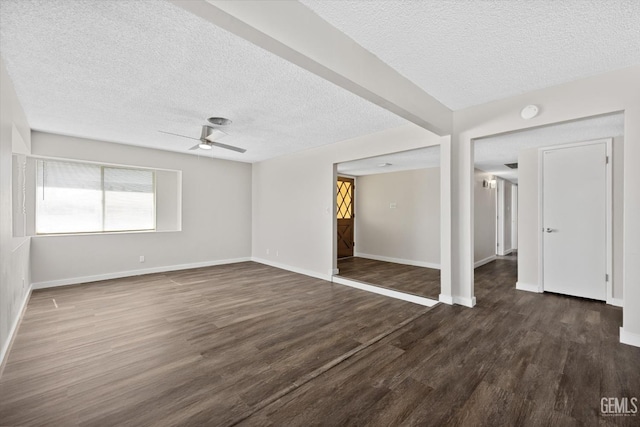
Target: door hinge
x,y
607,159
497,244
354,244
606,277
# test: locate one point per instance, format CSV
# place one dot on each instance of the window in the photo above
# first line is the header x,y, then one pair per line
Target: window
x,y
88,198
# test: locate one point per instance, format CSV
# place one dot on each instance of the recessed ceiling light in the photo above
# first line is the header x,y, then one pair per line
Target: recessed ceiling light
x,y
529,112
219,121
205,146
383,165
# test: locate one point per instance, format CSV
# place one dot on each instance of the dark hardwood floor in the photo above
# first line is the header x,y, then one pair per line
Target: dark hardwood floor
x,y
421,281
247,344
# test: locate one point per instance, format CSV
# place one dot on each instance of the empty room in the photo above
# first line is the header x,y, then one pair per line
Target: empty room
x,y
319,212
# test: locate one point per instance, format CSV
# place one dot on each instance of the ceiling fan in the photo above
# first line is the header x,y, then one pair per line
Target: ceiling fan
x,y
207,139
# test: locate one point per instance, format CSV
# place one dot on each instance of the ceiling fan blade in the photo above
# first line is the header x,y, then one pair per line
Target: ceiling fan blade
x,y
195,147
228,147
177,134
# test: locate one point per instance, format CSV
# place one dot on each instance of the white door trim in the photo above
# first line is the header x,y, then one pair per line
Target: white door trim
x,y
609,213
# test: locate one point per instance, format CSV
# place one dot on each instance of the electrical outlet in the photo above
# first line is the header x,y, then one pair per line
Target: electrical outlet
x,y
141,258
267,251
392,205
276,253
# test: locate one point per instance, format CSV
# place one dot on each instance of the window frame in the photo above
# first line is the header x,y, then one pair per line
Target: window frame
x,y
102,168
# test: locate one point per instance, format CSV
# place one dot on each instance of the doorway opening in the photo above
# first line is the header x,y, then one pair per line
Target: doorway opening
x,y
494,156
345,216
388,222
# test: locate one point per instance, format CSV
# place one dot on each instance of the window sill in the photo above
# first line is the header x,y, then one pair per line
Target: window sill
x,y
106,233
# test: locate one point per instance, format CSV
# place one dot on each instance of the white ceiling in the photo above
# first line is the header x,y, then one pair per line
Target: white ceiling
x,y
123,70
492,153
470,52
421,158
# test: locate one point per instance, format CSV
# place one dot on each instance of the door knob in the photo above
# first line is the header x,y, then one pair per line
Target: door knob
x,y
549,230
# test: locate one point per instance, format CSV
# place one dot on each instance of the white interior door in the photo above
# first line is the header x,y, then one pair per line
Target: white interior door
x,y
574,206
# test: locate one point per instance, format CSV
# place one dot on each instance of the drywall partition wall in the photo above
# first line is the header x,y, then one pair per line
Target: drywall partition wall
x,y
530,225
216,218
514,217
398,217
528,221
15,135
603,94
484,219
506,246
294,198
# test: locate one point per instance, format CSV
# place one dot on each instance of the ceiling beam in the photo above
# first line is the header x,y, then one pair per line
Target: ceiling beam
x,y
294,32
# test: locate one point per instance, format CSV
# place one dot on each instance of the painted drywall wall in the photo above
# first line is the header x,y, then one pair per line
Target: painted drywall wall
x,y
505,196
528,214
216,217
484,219
14,251
294,198
617,91
398,217
529,221
514,217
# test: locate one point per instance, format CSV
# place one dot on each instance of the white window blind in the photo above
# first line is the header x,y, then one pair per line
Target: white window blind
x,y
85,198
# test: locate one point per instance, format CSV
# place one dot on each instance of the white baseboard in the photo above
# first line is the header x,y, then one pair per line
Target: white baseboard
x,y
130,273
482,262
4,351
335,271
446,299
398,260
427,302
615,301
527,287
303,271
507,252
467,302
629,338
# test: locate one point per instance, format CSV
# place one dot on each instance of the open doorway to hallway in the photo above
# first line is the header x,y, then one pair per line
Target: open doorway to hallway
x,y
396,221
524,150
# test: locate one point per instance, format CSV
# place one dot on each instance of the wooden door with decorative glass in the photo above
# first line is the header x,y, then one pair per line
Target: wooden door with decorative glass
x,y
345,216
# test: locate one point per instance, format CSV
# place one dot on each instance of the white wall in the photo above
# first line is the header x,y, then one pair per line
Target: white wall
x,y
408,233
505,212
484,219
602,94
514,216
528,216
14,251
294,198
529,219
216,218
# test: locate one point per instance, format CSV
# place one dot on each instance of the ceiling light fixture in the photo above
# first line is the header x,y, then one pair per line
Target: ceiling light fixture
x,y
383,165
529,112
219,121
204,146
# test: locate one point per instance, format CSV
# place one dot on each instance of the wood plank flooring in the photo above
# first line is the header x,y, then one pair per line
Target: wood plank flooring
x,y
247,344
421,281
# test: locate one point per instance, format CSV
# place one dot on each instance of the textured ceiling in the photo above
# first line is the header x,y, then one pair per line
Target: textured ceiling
x,y
123,70
470,52
421,158
492,153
